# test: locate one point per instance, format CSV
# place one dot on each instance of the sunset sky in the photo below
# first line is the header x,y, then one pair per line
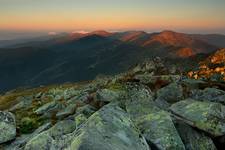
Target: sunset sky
x,y
198,16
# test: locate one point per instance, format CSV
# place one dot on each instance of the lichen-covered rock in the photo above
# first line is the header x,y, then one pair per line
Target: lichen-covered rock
x,y
107,95
155,124
154,79
148,66
41,142
209,94
20,141
46,107
159,131
110,128
81,96
62,93
80,119
162,104
193,84
207,116
69,110
171,93
138,91
139,100
192,139
7,126
87,110
62,128
52,139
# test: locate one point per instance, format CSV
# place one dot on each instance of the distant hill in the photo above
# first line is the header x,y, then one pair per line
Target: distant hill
x,y
82,56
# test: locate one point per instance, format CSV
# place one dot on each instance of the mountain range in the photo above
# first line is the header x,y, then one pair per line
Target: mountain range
x,y
70,57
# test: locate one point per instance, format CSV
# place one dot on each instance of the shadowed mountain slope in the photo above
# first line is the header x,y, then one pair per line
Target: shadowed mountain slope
x,y
83,56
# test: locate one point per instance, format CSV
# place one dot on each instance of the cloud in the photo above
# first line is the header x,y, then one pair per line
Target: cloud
x,y
81,31
52,33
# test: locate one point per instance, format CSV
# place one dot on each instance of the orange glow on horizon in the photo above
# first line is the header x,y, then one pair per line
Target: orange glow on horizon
x,y
111,15
52,23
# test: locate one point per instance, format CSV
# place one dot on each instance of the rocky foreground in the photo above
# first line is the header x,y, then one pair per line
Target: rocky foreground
x,y
149,107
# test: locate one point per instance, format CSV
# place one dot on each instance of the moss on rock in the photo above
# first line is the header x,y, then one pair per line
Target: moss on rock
x,y
207,116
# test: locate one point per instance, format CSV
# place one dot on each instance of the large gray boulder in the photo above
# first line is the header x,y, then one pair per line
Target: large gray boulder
x,y
193,83
194,140
87,110
209,94
155,124
46,107
206,116
52,138
7,126
108,95
171,93
69,110
110,128
20,141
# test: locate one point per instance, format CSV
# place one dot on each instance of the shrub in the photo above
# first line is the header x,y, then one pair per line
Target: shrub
x,y
28,125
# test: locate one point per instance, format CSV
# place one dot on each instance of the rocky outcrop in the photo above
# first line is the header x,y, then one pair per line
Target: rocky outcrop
x,y
206,116
107,129
7,126
52,138
171,93
45,108
155,124
20,142
192,139
168,95
107,95
212,68
143,109
209,94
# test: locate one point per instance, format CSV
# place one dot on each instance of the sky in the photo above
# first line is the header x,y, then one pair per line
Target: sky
x,y
191,16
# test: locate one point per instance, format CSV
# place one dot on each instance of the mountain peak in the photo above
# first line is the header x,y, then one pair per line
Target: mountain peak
x,y
172,38
169,33
133,35
101,33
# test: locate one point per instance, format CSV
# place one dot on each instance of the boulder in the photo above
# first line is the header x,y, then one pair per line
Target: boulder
x,y
69,110
87,110
7,126
21,140
155,124
62,93
171,93
52,138
80,119
82,96
147,66
193,83
46,107
209,94
159,131
192,139
162,104
107,95
206,116
110,128
41,142
155,79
